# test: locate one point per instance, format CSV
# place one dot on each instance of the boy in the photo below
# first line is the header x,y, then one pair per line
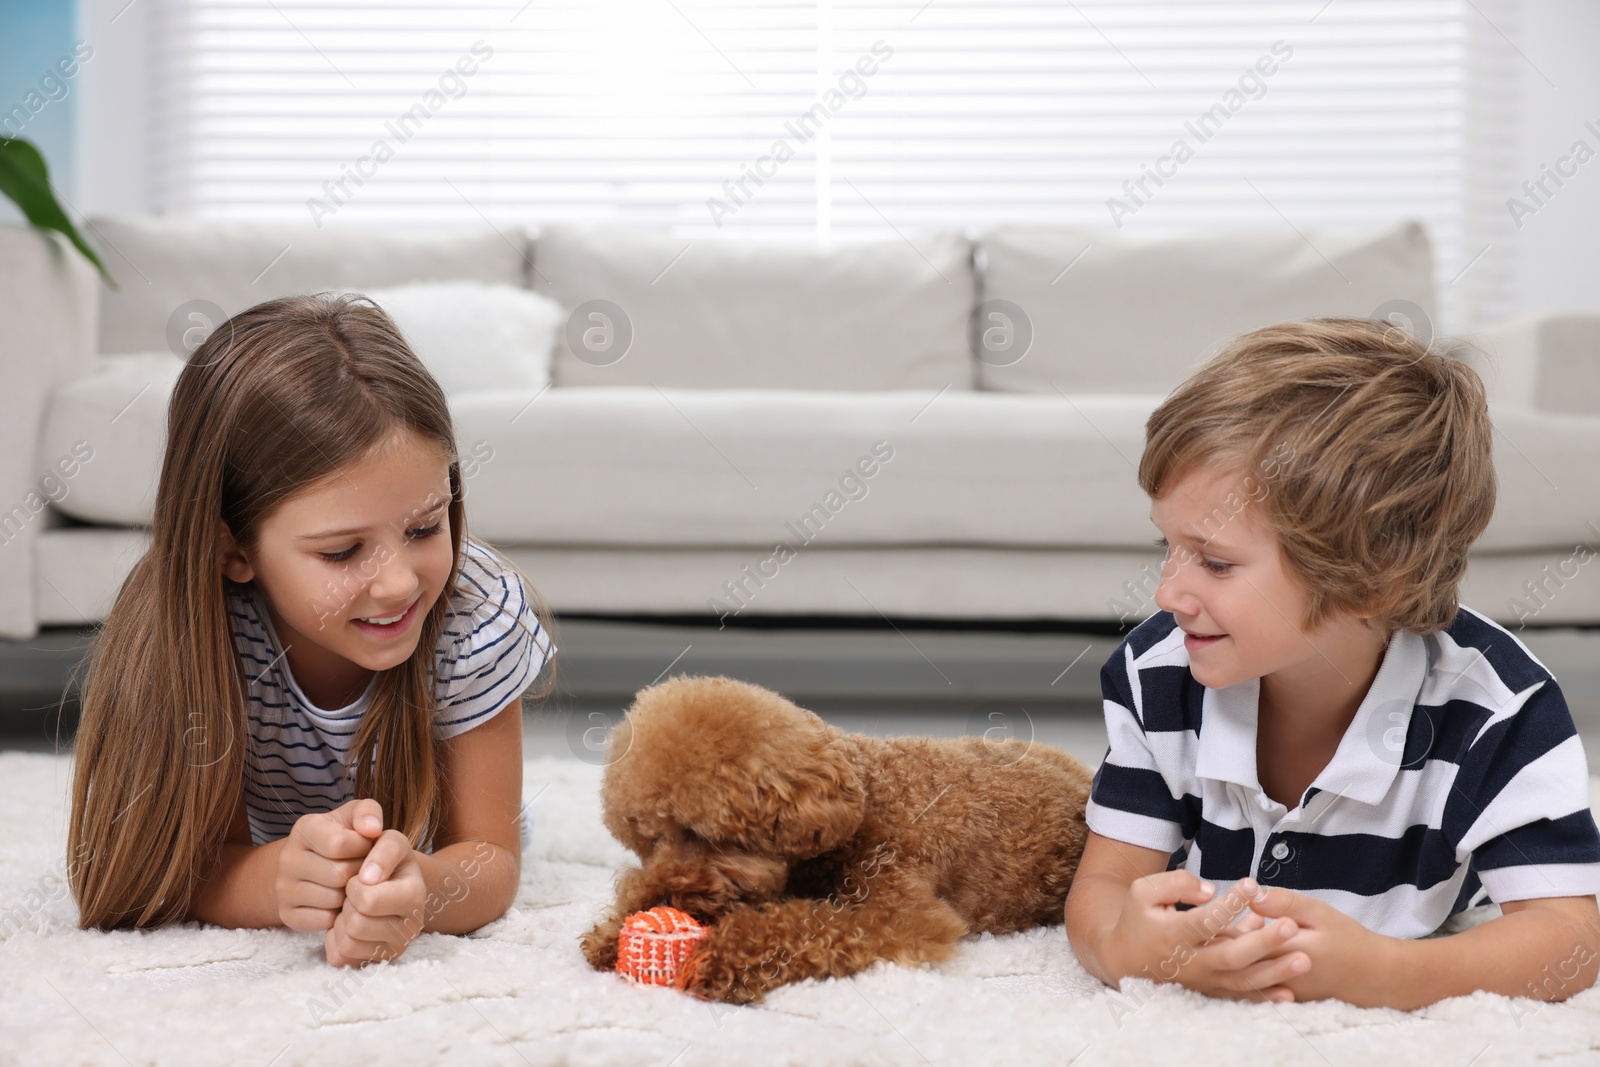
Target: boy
x,y
1311,722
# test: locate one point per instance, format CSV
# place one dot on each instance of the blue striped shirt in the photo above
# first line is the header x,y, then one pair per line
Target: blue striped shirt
x,y
490,649
1461,776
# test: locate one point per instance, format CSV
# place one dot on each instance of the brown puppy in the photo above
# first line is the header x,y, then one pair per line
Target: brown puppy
x,y
814,852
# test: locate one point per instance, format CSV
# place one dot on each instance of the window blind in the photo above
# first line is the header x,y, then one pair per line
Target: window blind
x,y
849,118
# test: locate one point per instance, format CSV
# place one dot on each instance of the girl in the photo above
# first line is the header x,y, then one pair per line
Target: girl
x,y
310,626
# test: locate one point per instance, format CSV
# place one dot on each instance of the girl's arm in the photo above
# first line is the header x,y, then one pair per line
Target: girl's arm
x,y
240,891
475,868
297,881
470,878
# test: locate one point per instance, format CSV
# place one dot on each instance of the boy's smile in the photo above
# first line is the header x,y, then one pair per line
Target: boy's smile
x,y
1228,586
349,567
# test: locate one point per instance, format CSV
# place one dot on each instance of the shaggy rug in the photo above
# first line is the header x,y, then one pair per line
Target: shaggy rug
x,y
518,991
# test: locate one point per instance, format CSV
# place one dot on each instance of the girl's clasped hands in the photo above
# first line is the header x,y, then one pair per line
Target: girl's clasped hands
x,y
342,872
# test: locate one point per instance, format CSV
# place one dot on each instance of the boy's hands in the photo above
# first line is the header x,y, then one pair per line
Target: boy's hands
x,y
1345,959
322,854
383,905
1199,948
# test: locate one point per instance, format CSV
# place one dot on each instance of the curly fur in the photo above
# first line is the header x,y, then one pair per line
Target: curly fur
x,y
815,853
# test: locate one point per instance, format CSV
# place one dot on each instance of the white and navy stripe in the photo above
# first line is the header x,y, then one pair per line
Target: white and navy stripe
x,y
491,648
1462,775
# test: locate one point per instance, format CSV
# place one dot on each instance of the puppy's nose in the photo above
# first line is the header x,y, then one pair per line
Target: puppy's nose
x,y
664,902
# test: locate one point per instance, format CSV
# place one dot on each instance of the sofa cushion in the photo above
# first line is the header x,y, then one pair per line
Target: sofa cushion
x,y
648,309
714,467
166,268
750,467
473,336
118,415
1114,313
756,468
1544,360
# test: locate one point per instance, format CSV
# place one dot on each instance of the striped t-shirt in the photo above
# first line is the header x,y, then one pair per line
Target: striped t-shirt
x,y
490,649
1461,776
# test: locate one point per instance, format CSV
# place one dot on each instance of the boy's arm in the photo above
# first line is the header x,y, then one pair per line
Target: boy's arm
x,y
1546,949
1521,791
1099,889
1125,802
1122,927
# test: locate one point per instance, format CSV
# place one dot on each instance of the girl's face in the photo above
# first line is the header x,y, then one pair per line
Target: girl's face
x,y
371,542
1228,586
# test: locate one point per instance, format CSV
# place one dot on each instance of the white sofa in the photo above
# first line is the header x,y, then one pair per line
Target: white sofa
x,y
792,430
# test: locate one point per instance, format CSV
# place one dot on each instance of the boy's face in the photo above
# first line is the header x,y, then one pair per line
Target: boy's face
x,y
1226,583
395,505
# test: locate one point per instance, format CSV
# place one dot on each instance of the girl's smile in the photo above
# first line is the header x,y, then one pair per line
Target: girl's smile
x,y
385,627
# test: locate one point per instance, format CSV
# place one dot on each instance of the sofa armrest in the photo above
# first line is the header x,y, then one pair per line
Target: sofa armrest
x,y
49,294
1545,361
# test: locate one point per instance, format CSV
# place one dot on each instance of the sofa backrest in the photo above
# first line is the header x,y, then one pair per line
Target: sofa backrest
x,y
1024,309
162,266
649,309
1092,311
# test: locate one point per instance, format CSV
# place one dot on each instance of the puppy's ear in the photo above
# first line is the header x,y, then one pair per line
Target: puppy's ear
x,y
623,798
814,804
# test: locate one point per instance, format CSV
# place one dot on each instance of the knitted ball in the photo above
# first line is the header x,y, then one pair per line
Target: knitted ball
x,y
654,944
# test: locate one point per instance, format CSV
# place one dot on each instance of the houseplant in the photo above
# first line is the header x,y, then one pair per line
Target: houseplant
x,y
26,180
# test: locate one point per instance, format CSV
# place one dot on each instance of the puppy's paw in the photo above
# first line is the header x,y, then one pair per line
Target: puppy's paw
x,y
713,972
600,945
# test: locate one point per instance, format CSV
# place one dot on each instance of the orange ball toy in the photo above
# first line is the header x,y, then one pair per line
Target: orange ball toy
x,y
654,946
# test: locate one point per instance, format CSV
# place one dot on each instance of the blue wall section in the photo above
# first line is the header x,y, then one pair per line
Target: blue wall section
x,y
39,45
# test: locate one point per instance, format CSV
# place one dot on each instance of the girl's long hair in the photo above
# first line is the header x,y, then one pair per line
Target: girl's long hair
x,y
276,399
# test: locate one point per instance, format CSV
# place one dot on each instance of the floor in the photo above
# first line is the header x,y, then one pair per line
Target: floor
x,y
884,681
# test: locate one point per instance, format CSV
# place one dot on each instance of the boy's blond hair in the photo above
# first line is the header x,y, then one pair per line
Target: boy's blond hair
x,y
1370,452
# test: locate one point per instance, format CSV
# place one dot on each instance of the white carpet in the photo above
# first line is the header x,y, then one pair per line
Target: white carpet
x,y
518,991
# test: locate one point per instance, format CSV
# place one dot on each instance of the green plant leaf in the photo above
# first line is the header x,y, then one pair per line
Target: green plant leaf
x,y
24,178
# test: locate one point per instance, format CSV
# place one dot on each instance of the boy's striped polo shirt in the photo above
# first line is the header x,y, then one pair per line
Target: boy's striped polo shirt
x,y
1462,777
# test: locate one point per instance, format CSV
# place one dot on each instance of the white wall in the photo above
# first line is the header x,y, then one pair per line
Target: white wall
x,y
113,112
1554,259
1556,256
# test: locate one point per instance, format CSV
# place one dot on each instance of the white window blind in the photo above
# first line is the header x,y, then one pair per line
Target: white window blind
x,y
851,118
